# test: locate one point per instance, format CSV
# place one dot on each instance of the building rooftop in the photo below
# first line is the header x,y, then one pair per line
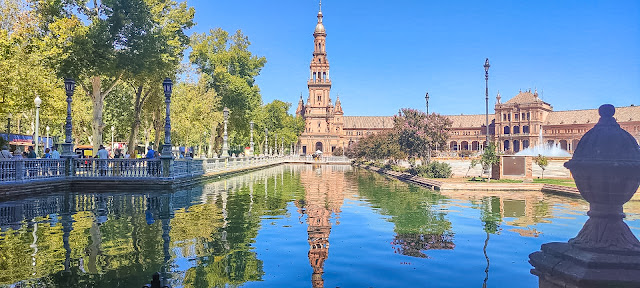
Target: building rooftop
x,y
471,121
623,114
525,98
368,122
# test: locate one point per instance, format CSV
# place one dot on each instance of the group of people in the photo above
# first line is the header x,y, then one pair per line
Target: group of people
x,y
49,153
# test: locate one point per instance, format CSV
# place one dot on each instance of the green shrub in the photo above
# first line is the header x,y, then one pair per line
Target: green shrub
x,y
395,168
432,170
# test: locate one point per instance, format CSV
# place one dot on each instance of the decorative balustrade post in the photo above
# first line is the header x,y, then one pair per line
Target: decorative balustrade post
x,y
605,253
166,157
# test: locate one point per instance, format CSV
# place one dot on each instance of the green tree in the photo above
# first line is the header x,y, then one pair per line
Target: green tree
x,y
232,70
275,117
97,43
379,146
418,133
489,158
22,54
541,161
160,57
195,112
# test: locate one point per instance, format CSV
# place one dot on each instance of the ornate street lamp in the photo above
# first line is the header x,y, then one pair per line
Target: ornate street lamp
x,y
9,116
251,139
225,137
486,92
426,97
37,101
275,143
67,147
167,85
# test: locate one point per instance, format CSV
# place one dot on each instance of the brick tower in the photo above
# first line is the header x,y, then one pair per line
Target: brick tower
x,y
323,122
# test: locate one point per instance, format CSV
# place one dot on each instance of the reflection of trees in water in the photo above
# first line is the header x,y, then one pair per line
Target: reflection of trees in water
x,y
121,239
414,244
419,223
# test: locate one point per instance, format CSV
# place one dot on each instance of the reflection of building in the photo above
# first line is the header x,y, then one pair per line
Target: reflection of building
x,y
322,198
514,125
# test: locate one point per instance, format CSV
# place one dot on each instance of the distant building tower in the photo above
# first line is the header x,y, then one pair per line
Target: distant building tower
x,y
323,120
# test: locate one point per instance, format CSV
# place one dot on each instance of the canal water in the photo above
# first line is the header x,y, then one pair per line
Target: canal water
x,y
286,226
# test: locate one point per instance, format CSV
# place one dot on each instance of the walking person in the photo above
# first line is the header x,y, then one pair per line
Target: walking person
x,y
32,153
103,163
151,165
55,154
47,154
55,168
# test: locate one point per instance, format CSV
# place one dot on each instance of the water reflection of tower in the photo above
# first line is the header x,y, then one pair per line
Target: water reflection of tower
x,y
324,189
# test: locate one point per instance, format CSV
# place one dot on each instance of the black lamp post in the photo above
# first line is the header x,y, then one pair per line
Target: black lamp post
x,y
67,147
486,93
427,98
9,116
167,85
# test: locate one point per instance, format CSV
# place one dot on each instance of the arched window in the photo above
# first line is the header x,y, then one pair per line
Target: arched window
x,y
314,76
507,130
324,76
516,129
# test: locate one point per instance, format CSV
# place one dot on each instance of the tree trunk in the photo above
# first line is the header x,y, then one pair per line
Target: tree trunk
x,y
212,141
98,105
156,139
97,99
135,124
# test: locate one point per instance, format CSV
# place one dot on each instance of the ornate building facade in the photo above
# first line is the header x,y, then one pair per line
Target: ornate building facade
x,y
516,124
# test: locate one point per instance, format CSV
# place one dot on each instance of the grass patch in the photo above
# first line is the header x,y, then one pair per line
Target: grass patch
x,y
561,182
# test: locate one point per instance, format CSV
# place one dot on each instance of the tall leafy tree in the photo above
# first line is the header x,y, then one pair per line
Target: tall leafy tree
x,y
97,43
418,133
275,117
195,112
232,70
22,52
160,56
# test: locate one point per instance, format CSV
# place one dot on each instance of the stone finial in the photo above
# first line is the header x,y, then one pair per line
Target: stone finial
x,y
605,253
606,169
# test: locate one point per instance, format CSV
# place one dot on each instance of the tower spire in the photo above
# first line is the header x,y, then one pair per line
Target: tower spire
x,y
320,6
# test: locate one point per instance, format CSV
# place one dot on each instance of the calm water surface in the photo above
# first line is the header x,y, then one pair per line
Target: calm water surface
x,y
287,226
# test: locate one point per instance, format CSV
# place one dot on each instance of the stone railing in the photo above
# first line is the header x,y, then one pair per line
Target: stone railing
x,y
126,168
25,170
31,169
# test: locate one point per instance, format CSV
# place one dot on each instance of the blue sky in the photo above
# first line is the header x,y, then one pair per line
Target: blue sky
x,y
385,55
